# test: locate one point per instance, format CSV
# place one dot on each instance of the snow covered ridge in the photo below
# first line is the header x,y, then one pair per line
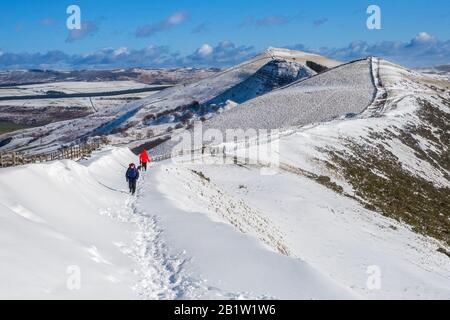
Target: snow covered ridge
x,y
409,155
393,157
343,91
270,70
143,121
390,151
273,75
70,231
371,188
60,218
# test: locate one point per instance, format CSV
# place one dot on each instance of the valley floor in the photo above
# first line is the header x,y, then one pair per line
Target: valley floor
x,y
6,127
200,231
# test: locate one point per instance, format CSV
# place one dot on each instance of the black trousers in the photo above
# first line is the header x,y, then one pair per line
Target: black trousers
x,y
144,166
132,185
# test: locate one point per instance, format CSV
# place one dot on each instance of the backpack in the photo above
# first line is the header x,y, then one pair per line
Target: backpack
x,y
132,174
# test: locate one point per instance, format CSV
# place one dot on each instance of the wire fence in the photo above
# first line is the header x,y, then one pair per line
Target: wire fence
x,y
224,150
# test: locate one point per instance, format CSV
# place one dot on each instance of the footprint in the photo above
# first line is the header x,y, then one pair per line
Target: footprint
x,y
25,213
96,256
112,279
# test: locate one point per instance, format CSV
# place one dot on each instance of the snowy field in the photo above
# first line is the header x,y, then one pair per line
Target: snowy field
x,y
71,87
78,224
239,235
47,110
62,103
130,248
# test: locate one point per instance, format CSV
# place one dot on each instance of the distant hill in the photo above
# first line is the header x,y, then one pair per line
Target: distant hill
x,y
147,76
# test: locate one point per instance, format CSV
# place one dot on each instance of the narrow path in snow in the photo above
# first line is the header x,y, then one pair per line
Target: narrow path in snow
x,y
192,252
159,273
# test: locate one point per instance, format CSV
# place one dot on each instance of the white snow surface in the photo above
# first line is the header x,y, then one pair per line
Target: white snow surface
x,y
64,214
69,87
243,235
346,89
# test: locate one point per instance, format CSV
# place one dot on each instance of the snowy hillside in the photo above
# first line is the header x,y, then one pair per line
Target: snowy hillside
x,y
178,107
371,189
225,233
127,249
150,119
200,231
13,78
442,72
273,75
341,92
39,104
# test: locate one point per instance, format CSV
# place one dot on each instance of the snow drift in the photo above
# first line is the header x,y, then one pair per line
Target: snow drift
x,y
61,215
64,214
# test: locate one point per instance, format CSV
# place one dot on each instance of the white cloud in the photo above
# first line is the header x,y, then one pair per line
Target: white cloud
x,y
177,18
121,50
205,50
423,50
423,37
225,53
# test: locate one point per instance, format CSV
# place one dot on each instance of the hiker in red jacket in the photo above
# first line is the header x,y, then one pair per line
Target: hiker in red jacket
x,y
144,159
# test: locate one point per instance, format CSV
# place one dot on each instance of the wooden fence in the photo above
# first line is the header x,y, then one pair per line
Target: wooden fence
x,y
77,152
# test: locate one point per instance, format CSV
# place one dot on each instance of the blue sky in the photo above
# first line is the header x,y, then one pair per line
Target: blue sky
x,y
169,33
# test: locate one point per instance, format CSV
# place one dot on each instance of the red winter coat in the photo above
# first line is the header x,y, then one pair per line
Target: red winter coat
x,y
143,157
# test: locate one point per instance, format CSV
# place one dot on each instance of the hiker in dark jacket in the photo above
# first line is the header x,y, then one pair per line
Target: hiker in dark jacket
x,y
132,177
